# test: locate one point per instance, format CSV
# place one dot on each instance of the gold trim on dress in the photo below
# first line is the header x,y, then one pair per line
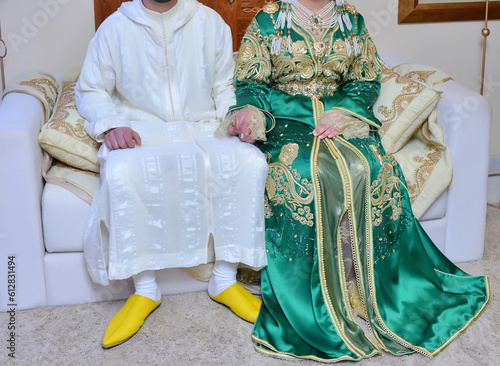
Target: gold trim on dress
x,y
271,8
318,109
314,88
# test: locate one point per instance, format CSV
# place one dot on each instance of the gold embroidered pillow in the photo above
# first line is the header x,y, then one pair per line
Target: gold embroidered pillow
x,y
63,136
402,106
422,73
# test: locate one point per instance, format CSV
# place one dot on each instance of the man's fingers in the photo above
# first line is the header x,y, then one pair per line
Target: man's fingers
x,y
130,142
110,141
136,138
122,138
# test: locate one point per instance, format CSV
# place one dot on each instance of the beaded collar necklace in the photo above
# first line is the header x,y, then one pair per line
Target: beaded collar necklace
x,y
316,22
332,14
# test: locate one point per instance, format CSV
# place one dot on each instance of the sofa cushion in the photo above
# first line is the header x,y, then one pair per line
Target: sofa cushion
x,y
402,106
63,218
64,136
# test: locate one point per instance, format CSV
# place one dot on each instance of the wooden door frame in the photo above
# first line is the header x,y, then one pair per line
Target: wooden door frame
x,y
410,11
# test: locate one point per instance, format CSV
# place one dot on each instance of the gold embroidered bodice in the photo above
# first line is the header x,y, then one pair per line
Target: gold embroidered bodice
x,y
306,64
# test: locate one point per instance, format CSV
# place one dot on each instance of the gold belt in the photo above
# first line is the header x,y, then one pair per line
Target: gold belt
x,y
315,88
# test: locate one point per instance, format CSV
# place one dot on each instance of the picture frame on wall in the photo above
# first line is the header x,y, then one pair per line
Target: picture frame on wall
x,y
428,11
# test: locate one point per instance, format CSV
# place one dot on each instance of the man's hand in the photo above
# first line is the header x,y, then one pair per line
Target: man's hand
x,y
121,138
240,127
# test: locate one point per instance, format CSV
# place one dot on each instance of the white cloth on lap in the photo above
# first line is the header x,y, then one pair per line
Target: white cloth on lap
x,y
161,201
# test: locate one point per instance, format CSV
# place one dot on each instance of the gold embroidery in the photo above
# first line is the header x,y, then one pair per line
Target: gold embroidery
x,y
285,186
314,68
351,9
420,76
320,47
58,121
271,8
315,88
299,47
411,90
305,70
288,153
253,58
366,66
268,210
385,192
377,154
339,46
427,163
42,84
61,164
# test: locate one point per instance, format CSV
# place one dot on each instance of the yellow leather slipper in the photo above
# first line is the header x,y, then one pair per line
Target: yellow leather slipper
x,y
253,299
128,320
238,302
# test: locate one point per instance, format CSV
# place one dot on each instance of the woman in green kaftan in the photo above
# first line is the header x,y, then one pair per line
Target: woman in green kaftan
x,y
341,237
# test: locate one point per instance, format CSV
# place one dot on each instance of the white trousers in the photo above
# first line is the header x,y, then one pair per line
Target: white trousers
x,y
158,203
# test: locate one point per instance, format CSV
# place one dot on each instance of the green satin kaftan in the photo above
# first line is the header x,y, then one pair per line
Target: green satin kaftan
x,y
341,236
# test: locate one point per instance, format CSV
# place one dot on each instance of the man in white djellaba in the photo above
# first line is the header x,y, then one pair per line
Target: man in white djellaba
x,y
155,84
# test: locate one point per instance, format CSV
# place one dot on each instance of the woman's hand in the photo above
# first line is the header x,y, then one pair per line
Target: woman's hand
x,y
325,129
332,123
240,127
121,138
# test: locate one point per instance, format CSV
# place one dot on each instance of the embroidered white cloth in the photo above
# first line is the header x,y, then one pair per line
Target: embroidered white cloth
x,y
158,203
161,201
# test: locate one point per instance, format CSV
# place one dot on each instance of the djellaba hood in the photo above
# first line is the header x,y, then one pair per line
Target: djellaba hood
x,y
134,11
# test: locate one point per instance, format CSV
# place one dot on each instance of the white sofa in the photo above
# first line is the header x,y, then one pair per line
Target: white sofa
x,y
42,225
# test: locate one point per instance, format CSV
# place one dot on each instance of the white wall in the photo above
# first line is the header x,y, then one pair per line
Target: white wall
x,y
53,35
49,35
1,84
3,51
453,47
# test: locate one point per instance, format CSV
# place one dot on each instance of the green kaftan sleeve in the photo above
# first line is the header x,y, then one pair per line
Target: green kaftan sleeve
x,y
362,86
252,74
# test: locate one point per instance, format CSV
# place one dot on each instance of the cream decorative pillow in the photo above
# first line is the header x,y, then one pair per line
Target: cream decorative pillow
x,y
82,183
426,164
422,73
63,136
402,106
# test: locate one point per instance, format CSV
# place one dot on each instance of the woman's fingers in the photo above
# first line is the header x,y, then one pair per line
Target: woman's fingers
x,y
242,119
231,130
240,127
324,130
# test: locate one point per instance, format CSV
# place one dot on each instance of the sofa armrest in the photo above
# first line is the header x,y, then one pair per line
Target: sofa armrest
x,y
21,116
466,120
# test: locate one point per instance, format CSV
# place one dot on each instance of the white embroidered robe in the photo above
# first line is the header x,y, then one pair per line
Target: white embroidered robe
x,y
170,79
